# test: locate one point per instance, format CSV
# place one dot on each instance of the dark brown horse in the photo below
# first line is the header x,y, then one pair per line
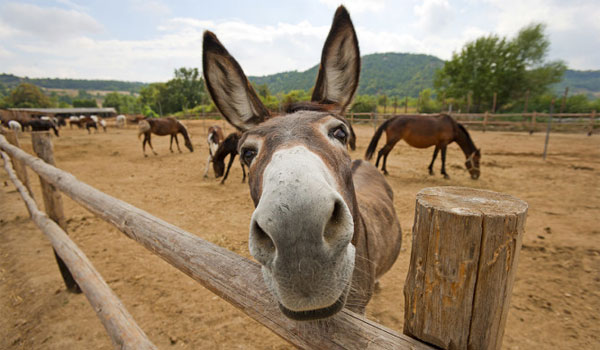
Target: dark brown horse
x,y
324,227
227,148
423,131
214,139
163,127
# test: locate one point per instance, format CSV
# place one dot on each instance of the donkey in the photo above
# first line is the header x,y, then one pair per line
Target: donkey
x,y
214,139
162,127
423,131
324,228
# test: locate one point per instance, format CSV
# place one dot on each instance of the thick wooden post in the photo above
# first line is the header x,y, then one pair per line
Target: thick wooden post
x,y
592,119
406,104
465,250
533,122
18,165
42,146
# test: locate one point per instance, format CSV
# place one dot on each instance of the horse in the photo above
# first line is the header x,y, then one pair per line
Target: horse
x,y
215,138
73,120
42,125
162,127
102,123
89,124
423,131
15,126
121,121
227,148
324,228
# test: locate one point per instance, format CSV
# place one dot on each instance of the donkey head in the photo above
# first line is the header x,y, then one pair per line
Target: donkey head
x,y
300,175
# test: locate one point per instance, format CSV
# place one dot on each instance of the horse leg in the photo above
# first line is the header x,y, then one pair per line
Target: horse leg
x,y
177,143
144,146
444,163
207,166
435,152
231,158
243,172
383,152
150,143
171,144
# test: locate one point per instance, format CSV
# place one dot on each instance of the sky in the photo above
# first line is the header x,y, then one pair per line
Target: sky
x,y
136,40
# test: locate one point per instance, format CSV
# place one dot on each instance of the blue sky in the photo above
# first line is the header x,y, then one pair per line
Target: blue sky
x,y
139,40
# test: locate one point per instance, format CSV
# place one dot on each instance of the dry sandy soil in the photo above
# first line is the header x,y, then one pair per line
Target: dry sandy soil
x,y
556,296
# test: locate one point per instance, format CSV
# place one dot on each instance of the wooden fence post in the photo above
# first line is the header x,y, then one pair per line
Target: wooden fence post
x,y
533,122
592,119
42,146
485,120
465,251
17,164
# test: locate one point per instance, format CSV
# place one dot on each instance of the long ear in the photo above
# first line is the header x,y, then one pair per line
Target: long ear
x,y
340,63
228,86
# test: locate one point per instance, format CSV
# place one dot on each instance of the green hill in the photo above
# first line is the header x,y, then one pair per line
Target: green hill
x,y
580,82
11,81
393,74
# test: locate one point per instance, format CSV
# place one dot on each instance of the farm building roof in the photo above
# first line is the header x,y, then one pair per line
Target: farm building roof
x,y
65,110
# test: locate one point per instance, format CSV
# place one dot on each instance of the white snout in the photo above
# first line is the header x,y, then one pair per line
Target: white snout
x,y
301,231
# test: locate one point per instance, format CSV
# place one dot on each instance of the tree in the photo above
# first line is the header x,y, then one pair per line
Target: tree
x,y
509,68
27,95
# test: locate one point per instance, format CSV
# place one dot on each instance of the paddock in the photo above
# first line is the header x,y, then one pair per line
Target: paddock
x,y
555,297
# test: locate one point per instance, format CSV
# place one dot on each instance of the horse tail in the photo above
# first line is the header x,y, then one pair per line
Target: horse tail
x,y
143,127
375,139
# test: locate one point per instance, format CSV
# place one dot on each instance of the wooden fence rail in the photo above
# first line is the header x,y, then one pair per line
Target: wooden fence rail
x,y
119,324
230,276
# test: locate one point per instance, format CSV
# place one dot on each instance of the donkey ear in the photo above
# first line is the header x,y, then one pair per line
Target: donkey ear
x,y
228,86
340,63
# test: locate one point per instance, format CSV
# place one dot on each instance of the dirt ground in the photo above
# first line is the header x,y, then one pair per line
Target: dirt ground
x,y
556,296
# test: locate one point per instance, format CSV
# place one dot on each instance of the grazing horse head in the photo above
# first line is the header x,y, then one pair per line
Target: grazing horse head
x,y
303,225
472,164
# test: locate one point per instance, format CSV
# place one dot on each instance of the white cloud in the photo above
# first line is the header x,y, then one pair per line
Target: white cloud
x,y
433,15
48,23
153,7
357,6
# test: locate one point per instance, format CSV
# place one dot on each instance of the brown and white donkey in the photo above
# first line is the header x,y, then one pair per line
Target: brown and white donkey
x,y
324,228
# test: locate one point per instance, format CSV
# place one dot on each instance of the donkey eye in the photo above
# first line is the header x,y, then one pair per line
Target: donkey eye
x,y
248,155
339,133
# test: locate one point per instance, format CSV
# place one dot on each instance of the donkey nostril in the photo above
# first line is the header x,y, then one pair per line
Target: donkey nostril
x,y
333,227
263,244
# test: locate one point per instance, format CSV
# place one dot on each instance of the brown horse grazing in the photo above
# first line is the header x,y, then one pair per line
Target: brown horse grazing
x,y
214,139
162,127
227,148
324,228
423,131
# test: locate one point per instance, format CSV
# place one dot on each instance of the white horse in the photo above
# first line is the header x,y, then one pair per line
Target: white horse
x,y
121,121
102,123
15,126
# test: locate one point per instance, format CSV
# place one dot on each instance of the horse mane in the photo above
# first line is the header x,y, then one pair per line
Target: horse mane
x,y
468,138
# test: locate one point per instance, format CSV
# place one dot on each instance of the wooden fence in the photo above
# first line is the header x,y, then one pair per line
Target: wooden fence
x,y
530,122
470,282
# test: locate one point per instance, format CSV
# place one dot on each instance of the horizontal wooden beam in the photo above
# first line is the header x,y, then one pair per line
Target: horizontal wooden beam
x,y
232,277
119,324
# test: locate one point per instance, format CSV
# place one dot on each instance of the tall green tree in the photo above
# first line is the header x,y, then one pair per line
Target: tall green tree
x,y
27,95
493,64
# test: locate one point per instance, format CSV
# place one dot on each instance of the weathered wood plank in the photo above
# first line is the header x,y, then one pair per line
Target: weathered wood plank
x,y
232,277
42,146
120,325
463,262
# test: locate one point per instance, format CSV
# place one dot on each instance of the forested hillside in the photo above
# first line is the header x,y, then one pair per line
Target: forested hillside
x,y
392,74
580,81
11,81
